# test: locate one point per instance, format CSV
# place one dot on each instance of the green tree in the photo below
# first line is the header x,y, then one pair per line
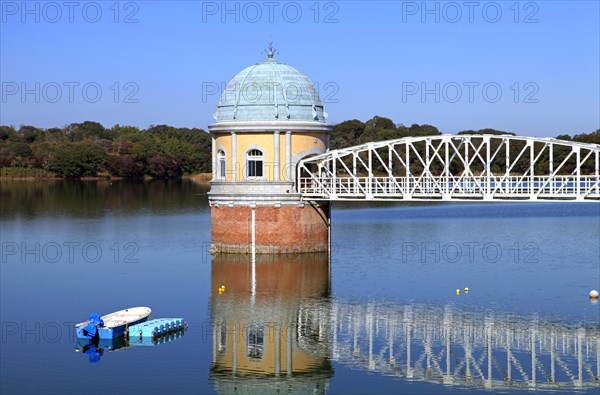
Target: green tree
x,y
21,149
186,155
590,138
29,134
346,134
144,150
378,122
77,160
87,130
423,130
7,133
565,137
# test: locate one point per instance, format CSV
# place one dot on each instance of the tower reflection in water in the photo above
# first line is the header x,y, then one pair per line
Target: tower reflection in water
x,y
271,323
277,329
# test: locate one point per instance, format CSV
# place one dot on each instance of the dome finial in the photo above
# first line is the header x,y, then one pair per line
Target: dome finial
x,y
270,50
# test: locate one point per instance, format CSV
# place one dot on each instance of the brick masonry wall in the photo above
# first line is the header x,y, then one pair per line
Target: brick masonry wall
x,y
288,229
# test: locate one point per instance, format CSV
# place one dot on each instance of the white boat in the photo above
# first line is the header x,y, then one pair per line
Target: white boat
x,y
111,325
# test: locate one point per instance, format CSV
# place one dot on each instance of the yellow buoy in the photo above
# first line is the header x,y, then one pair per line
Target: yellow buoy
x,y
457,291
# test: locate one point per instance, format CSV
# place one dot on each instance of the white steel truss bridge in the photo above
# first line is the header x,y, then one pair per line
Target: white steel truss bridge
x,y
455,167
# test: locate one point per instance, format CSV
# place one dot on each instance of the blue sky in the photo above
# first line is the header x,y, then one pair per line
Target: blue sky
x,y
529,67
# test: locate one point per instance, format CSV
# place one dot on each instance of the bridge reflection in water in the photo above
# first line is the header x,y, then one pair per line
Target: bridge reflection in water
x,y
277,329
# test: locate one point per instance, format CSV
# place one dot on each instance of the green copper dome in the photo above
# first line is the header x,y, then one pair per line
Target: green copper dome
x,y
270,91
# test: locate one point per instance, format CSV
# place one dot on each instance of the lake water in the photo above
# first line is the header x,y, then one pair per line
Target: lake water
x,y
381,315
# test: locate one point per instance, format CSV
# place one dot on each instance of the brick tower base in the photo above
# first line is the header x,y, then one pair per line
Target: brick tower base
x,y
282,229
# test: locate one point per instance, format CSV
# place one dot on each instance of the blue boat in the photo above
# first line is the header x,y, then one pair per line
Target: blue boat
x,y
111,325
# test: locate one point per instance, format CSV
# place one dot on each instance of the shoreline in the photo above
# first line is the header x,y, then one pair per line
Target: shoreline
x,y
203,178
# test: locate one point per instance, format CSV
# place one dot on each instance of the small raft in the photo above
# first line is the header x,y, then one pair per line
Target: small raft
x,y
111,325
155,341
157,328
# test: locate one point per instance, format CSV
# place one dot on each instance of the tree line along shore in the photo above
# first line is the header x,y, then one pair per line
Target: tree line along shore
x,y
88,149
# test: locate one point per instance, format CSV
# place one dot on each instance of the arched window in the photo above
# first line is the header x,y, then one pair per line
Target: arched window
x,y
255,341
222,337
254,163
221,165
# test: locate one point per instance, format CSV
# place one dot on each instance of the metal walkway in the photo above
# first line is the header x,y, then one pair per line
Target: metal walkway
x,y
455,167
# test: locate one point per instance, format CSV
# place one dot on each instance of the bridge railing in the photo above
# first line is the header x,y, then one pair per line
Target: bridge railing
x,y
483,188
455,167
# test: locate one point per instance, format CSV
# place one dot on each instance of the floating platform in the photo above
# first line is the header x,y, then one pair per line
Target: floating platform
x,y
155,341
156,328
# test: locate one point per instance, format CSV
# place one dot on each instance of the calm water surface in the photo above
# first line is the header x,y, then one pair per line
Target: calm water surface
x,y
381,316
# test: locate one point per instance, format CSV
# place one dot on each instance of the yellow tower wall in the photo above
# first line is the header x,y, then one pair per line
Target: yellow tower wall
x,y
300,143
